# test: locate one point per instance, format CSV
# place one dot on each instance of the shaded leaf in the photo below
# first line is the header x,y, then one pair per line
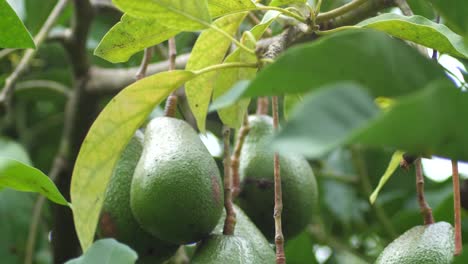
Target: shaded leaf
x,y
300,250
106,139
107,251
223,7
326,119
21,177
420,30
231,96
13,150
454,11
210,49
187,15
289,102
393,165
130,36
13,32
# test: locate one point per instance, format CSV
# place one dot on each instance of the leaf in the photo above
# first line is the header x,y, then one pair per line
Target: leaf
x,y
326,119
454,11
300,250
393,165
13,32
184,15
329,60
130,36
420,30
224,7
13,150
290,101
106,139
21,177
286,2
231,96
425,122
107,251
210,49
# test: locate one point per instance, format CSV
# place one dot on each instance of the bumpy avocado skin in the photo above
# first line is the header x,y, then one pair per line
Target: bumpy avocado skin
x,y
117,220
432,244
176,192
246,229
218,249
298,182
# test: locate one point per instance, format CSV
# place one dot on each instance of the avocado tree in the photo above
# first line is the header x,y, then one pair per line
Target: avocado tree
x,y
221,131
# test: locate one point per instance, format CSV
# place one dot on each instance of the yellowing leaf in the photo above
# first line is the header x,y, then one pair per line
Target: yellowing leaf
x,y
286,2
106,139
392,166
223,7
130,36
209,49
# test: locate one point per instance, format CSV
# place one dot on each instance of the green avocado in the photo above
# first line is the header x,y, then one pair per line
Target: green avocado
x,y
176,192
218,249
246,229
432,244
116,218
299,187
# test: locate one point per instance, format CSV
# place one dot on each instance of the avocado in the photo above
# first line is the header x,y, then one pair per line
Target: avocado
x,y
246,229
218,249
176,193
299,187
431,244
117,220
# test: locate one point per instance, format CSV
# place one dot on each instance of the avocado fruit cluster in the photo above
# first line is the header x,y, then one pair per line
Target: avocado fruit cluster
x,y
299,187
430,244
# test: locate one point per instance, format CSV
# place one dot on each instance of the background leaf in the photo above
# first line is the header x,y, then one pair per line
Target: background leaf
x,y
106,139
420,30
14,33
454,11
107,251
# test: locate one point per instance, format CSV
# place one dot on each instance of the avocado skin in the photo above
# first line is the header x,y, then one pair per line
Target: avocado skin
x,y
176,192
117,220
218,249
299,187
246,229
432,244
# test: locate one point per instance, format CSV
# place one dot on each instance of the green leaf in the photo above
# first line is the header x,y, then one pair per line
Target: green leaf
x,y
425,122
289,102
454,11
21,177
130,36
420,30
230,97
210,49
286,2
326,119
184,15
13,150
300,250
329,60
223,7
107,251
393,165
105,141
13,32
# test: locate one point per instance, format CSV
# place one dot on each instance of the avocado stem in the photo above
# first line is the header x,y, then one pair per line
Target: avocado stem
x,y
279,238
456,208
230,221
235,158
262,105
171,101
425,209
144,63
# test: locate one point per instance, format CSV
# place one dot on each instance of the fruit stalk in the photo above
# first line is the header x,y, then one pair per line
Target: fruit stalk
x,y
171,102
230,221
262,106
144,63
425,209
456,207
235,180
279,238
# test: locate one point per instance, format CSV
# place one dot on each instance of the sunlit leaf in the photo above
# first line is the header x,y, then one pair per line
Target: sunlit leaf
x,y
187,15
107,251
13,32
223,7
21,177
420,30
286,2
392,166
210,49
105,141
130,36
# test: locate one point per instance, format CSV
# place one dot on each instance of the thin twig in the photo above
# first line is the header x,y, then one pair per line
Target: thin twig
x,y
262,105
434,51
456,208
235,158
339,11
279,238
144,63
404,7
230,221
425,209
7,91
171,101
